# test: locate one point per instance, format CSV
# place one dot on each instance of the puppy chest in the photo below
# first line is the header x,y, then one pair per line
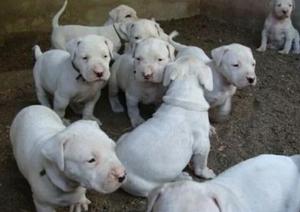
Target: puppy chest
x,y
151,95
277,35
86,93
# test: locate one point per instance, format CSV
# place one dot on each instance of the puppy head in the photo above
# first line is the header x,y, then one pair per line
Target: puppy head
x,y
181,196
282,9
143,29
187,66
84,154
151,56
236,63
91,55
122,13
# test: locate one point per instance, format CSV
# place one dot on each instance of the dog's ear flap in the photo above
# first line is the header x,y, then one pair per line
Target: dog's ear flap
x,y
205,77
113,14
134,47
72,46
53,149
110,48
170,74
171,51
154,196
218,54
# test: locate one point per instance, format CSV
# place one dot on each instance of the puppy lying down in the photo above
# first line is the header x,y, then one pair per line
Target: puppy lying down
x,y
262,184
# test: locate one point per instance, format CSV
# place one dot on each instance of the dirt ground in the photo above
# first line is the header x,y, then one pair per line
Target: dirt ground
x,y
265,118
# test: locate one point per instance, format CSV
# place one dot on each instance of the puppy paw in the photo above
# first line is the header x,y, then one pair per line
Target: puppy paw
x,y
137,121
212,131
117,107
296,51
283,52
261,49
205,173
83,205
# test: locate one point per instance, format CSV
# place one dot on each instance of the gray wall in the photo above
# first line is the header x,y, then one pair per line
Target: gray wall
x,y
35,15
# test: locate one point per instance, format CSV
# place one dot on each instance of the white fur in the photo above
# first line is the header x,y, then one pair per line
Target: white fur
x,y
279,32
140,76
121,13
55,75
264,183
158,150
61,162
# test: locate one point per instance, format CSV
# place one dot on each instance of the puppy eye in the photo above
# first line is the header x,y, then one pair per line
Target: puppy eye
x,y
290,5
160,59
105,56
91,160
85,58
278,5
253,64
128,16
138,59
136,37
235,65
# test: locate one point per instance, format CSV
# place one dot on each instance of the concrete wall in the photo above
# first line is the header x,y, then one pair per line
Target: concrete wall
x,y
36,15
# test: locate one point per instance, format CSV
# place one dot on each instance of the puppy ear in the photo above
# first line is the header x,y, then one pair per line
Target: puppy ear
x,y
218,54
72,46
125,29
110,48
158,29
205,77
170,74
53,149
154,196
134,47
171,51
113,14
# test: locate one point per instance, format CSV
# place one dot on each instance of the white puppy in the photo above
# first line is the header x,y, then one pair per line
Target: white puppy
x,y
76,76
279,32
121,13
264,183
158,150
59,162
140,76
233,66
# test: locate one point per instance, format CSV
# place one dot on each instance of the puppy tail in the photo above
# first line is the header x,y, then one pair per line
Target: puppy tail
x,y
58,14
176,45
37,52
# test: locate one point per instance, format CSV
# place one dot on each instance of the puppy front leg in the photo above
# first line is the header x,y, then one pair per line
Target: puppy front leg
x,y
88,110
59,105
296,49
224,110
42,208
113,91
199,160
133,110
264,41
288,45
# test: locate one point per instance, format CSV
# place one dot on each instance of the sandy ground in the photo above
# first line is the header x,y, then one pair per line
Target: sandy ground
x,y
265,119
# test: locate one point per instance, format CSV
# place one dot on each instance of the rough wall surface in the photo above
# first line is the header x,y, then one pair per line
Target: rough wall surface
x,y
36,15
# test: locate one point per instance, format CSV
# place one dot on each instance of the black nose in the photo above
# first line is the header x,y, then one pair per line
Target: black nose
x,y
251,80
121,179
284,11
99,74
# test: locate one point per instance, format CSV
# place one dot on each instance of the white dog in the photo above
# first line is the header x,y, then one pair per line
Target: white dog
x,y
121,13
60,163
76,76
158,150
140,76
233,66
262,184
279,32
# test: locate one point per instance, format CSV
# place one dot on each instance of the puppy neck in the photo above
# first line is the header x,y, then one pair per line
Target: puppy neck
x,y
186,93
57,178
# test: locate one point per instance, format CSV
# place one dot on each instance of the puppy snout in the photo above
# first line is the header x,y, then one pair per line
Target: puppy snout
x,y
119,174
148,76
99,74
251,80
284,12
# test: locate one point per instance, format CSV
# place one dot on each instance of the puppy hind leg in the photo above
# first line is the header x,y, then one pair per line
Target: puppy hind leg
x,y
296,49
42,208
59,105
43,97
114,101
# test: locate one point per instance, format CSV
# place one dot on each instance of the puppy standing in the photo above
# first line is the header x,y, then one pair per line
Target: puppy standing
x,y
60,162
233,66
75,77
267,183
121,13
279,32
140,76
158,150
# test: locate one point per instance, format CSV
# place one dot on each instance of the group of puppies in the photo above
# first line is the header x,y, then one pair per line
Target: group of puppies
x,y
61,159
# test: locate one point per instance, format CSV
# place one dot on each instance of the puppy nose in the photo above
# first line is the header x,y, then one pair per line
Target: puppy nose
x,y
122,178
99,74
148,75
251,79
284,11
